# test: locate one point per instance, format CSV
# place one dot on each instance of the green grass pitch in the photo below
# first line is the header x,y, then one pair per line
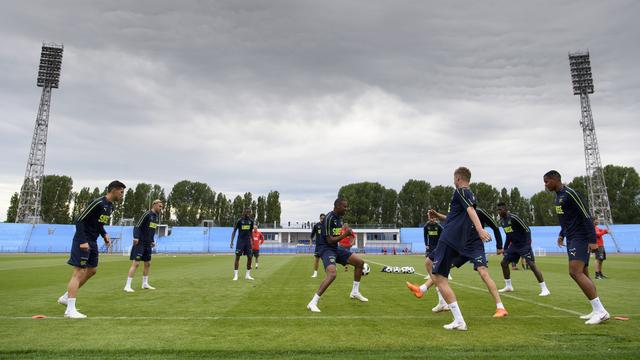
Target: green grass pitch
x,y
198,312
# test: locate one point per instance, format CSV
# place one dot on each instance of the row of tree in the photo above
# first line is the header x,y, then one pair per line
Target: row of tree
x,y
188,204
372,203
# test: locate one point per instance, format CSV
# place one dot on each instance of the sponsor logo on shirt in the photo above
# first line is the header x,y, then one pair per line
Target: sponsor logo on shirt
x,y
559,210
104,219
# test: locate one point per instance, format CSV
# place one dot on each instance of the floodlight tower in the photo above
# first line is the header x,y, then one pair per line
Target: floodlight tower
x,y
31,191
582,81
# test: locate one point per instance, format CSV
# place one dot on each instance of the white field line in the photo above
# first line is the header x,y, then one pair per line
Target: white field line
x,y
503,295
276,318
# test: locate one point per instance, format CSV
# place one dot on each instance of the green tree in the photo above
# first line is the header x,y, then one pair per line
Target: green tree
x,y
486,195
128,204
441,198
237,207
80,200
543,209
190,201
12,212
274,208
57,195
414,201
579,184
623,189
261,210
520,205
365,202
389,214
222,211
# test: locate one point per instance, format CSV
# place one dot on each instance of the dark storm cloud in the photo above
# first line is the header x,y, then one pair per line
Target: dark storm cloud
x,y
305,96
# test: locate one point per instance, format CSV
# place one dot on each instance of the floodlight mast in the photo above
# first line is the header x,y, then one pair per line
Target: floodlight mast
x,y
29,204
582,81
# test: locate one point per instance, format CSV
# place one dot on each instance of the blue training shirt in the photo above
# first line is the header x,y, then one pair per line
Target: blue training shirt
x,y
91,222
458,230
573,214
331,226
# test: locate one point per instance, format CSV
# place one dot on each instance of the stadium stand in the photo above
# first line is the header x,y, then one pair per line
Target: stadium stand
x,y
55,238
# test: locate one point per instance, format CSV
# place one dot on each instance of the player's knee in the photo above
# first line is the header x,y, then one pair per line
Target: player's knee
x,y
504,263
91,271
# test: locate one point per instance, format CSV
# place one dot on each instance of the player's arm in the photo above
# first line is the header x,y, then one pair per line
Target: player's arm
x,y
261,238
437,215
335,239
233,233
313,233
484,235
137,230
352,238
498,235
97,212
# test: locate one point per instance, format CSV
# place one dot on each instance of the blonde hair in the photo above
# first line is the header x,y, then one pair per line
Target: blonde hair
x,y
156,201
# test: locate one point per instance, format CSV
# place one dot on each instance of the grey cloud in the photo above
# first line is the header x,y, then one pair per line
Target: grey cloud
x,y
304,96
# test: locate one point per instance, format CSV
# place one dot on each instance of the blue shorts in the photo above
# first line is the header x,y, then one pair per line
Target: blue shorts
x,y
443,257
243,247
513,254
140,252
331,256
478,259
578,250
84,258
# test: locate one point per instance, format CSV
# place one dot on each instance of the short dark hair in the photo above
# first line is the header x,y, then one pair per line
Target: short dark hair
x,y
501,204
338,201
115,184
553,174
323,214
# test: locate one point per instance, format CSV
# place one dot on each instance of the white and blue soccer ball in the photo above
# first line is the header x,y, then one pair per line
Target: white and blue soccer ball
x,y
366,269
396,269
411,270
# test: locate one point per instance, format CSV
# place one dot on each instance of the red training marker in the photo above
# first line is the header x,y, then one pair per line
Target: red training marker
x,y
39,317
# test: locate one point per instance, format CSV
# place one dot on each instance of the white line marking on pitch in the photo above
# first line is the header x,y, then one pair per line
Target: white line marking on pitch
x,y
307,317
503,295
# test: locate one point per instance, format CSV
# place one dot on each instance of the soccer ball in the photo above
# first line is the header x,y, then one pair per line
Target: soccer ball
x,y
366,269
404,269
411,270
396,269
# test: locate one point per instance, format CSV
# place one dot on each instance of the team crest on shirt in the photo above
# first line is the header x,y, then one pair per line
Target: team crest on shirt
x,y
332,260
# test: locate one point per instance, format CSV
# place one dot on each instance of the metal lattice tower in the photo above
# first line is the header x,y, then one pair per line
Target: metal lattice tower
x,y
31,191
582,81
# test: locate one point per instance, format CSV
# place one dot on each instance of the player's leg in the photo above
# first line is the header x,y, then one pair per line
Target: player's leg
x,y
256,256
531,263
493,289
145,274
328,257
442,304
509,258
236,264
247,275
578,269
358,265
420,290
132,271
316,260
443,259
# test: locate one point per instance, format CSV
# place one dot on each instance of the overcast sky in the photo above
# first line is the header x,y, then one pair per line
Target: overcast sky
x,y
306,96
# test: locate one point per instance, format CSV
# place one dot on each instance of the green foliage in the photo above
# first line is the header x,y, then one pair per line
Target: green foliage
x,y
366,202
56,199
623,189
543,210
414,201
273,210
12,212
